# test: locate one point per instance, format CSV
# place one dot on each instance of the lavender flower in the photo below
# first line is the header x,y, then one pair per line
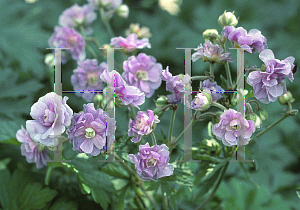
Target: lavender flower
x,y
33,151
130,43
254,39
175,84
270,84
233,128
127,94
89,130
64,37
77,16
51,115
142,125
143,72
151,163
87,77
202,101
211,53
215,90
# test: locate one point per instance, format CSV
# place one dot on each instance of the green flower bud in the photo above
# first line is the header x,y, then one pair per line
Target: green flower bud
x,y
211,35
98,98
161,101
159,112
49,60
227,19
286,98
123,11
254,117
263,114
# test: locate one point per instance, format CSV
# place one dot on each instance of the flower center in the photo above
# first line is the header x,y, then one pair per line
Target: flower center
x,y
141,122
143,75
151,162
89,133
72,40
92,79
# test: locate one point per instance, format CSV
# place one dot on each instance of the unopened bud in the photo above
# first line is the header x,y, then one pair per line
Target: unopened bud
x,y
227,19
98,98
263,114
123,11
211,35
159,112
255,118
286,98
161,101
49,59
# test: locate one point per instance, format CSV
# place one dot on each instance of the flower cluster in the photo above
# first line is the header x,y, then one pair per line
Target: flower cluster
x,y
110,7
176,85
269,84
233,128
143,72
143,32
129,95
78,16
65,37
87,78
151,163
254,39
130,43
142,125
211,53
92,131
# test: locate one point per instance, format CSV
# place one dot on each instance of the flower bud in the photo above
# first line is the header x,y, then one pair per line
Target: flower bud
x,y
202,101
49,59
286,98
98,98
263,114
227,19
211,35
161,101
123,11
159,112
255,118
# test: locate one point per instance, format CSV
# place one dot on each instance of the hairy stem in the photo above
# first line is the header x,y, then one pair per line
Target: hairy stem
x,y
211,71
171,125
140,182
220,106
164,197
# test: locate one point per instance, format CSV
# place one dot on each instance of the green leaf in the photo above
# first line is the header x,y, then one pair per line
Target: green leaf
x,y
98,183
8,130
31,39
35,197
62,204
5,191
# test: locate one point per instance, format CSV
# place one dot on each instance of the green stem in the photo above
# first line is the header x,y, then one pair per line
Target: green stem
x,y
249,107
153,138
272,125
164,197
171,125
228,74
211,70
201,77
216,187
220,106
106,23
140,182
48,174
190,124
257,104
